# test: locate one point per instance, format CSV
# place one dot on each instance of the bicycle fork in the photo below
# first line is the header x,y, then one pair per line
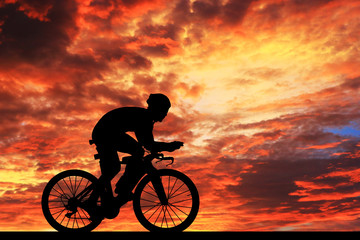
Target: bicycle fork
x,y
159,188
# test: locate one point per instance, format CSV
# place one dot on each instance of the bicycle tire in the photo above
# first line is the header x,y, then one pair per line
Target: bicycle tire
x,y
176,185
57,197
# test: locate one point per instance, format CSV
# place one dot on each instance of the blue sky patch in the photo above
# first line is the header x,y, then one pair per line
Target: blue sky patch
x,y
350,130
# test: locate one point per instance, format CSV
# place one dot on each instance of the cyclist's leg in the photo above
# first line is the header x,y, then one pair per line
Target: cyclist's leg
x,y
134,169
110,166
109,162
133,173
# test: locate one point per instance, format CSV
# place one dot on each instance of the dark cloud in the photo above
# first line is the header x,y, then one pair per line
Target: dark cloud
x,y
272,14
131,3
114,51
101,4
136,61
269,183
230,13
30,40
45,43
17,108
200,15
181,13
234,11
159,50
206,9
169,30
306,5
351,83
275,185
117,95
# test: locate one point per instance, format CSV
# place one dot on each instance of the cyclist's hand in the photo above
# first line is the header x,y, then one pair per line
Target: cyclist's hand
x,y
175,145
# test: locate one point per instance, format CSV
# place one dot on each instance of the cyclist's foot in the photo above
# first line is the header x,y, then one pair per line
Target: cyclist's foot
x,y
94,211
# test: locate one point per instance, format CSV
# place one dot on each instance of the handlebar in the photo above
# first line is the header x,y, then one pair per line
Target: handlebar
x,y
160,158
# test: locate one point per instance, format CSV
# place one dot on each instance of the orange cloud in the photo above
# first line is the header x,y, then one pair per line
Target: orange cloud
x,y
325,146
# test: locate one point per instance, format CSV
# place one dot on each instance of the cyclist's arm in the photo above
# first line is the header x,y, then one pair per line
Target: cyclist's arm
x,y
169,147
146,138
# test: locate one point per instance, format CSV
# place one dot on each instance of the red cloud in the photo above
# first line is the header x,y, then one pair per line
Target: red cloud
x,y
324,146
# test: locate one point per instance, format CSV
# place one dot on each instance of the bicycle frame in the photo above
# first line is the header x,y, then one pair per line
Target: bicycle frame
x,y
158,186
149,170
85,192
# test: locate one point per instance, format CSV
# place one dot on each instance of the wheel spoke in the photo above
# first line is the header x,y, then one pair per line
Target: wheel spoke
x,y
187,190
143,199
154,206
170,193
184,200
164,217
71,186
73,225
153,212
67,186
150,193
170,214
60,194
63,193
176,190
179,209
159,214
60,212
78,185
82,220
174,213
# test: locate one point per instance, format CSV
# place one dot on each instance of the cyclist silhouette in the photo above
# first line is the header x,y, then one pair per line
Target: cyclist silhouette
x,y
110,136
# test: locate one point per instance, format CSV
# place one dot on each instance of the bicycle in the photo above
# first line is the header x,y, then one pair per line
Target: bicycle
x,y
163,200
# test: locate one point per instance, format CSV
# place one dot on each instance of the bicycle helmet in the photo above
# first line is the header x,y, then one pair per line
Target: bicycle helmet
x,y
158,101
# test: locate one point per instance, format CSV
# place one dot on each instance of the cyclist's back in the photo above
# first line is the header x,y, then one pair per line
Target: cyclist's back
x,y
121,120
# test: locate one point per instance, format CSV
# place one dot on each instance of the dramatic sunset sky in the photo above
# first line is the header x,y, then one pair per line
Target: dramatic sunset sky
x,y
265,95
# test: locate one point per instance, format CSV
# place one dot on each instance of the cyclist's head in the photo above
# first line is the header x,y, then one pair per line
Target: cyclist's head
x,y
159,105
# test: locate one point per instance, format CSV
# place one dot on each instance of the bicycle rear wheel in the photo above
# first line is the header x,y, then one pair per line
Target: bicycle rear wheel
x,y
181,209
61,204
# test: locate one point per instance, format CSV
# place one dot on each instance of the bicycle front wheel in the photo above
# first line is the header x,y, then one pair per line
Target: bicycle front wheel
x,y
61,203
181,209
